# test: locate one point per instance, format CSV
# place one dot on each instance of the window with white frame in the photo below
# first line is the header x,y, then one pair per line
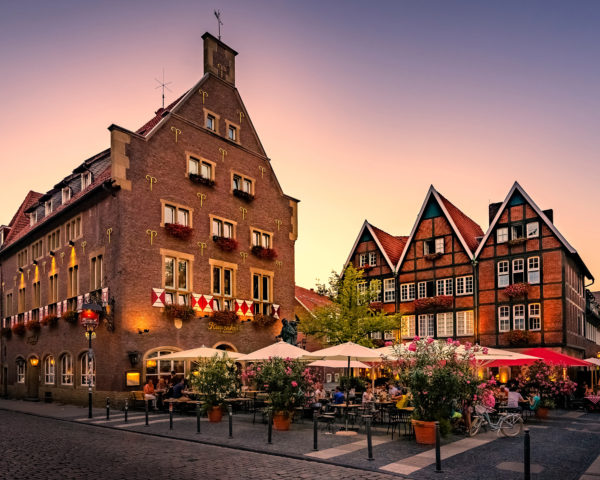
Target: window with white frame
x,y
376,335
504,318
516,232
176,280
66,369
20,370
66,195
86,180
427,325
502,235
433,245
156,368
533,270
518,273
33,218
464,323
464,285
88,370
535,318
407,292
362,259
439,245
372,259
518,317
173,214
389,289
444,286
48,207
533,230
503,273
422,290
445,324
223,281
49,369
362,288
221,228
375,287
388,335
328,378
407,329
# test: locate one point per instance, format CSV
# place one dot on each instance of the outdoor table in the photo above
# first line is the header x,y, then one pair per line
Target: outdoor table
x,y
593,398
407,409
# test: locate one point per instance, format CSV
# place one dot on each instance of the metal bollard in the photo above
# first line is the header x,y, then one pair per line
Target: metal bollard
x,y
198,418
230,414
107,408
146,409
369,439
270,427
170,416
126,410
527,459
438,453
315,428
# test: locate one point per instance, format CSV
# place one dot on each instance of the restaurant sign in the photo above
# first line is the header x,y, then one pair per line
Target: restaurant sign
x,y
223,328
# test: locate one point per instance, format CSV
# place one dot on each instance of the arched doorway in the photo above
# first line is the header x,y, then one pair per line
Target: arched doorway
x,y
228,347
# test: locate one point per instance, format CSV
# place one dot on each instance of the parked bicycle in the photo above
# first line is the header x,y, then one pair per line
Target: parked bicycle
x,y
509,424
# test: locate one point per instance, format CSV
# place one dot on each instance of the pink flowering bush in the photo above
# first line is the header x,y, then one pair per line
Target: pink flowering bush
x,y
436,373
548,380
287,382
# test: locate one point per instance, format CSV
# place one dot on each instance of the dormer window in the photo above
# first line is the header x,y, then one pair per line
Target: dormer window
x,y
48,208
33,218
66,195
86,180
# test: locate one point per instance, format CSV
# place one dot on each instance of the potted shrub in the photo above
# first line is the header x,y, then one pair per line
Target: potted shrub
x,y
517,290
225,317
70,316
49,320
194,177
287,382
215,379
182,232
18,329
225,244
435,374
182,312
262,252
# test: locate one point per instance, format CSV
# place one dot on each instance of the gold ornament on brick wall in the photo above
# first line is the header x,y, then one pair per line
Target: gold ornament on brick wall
x,y
241,114
262,171
204,95
202,197
202,246
278,263
152,233
108,233
44,265
151,179
278,223
62,258
223,153
244,212
28,271
177,133
244,256
83,244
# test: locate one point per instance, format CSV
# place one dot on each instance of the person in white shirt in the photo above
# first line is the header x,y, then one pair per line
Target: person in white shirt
x,y
513,398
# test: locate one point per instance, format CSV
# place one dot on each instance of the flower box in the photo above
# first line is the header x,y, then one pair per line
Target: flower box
x,y
263,320
262,252
70,316
517,241
49,320
433,256
225,317
194,177
432,303
18,329
518,337
225,244
247,197
517,290
182,312
34,325
365,268
182,232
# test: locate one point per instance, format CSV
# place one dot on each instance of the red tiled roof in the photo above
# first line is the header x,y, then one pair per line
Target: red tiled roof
x,y
469,230
310,299
393,246
32,197
158,115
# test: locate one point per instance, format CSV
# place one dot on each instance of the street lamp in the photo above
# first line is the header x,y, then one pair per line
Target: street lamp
x,y
88,318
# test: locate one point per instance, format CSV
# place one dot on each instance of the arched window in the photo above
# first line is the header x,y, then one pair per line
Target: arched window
x,y
88,370
49,370
66,369
20,370
156,368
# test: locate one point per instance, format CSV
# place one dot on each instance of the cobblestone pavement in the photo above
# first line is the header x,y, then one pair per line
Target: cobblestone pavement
x,y
45,449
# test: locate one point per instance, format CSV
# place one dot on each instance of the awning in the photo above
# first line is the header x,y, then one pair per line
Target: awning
x,y
595,361
555,358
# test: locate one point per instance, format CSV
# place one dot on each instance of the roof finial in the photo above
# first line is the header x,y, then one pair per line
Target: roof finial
x,y
219,22
163,85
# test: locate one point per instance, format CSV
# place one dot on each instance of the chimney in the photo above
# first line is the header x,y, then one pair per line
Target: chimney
x,y
493,210
219,59
550,214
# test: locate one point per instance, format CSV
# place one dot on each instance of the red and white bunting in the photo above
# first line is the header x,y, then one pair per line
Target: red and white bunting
x,y
27,317
59,309
86,298
80,303
241,308
13,320
206,304
105,296
249,306
45,311
64,304
158,297
195,297
275,310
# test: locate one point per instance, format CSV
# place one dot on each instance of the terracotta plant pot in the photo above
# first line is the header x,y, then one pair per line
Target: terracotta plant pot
x,y
424,432
281,421
215,414
542,412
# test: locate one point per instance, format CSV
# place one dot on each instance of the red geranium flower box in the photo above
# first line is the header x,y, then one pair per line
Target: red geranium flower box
x,y
183,232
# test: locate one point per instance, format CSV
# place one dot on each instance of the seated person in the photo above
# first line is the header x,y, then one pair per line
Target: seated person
x,y
178,391
402,399
162,385
588,390
367,395
534,400
514,398
149,395
338,396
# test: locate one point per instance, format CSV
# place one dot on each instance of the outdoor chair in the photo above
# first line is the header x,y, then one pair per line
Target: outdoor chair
x,y
259,406
404,421
394,417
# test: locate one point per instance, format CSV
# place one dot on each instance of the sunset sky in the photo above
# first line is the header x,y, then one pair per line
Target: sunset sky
x,y
360,105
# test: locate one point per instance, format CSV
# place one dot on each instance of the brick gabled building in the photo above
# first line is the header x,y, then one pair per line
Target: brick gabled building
x,y
186,210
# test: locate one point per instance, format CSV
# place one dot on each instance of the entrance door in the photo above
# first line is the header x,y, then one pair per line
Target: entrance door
x,y
32,380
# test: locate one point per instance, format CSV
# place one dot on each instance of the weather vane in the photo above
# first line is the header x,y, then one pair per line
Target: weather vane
x,y
163,85
219,22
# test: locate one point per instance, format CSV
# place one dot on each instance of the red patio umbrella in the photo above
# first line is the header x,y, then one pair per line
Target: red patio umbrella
x,y
550,356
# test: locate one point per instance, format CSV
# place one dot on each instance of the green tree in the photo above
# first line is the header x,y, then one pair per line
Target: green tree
x,y
351,316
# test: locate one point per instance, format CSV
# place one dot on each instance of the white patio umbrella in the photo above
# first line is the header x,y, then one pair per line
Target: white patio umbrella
x,y
201,352
280,349
596,362
338,364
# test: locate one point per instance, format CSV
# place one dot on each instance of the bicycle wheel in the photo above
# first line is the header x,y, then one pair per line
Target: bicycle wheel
x,y
475,426
511,426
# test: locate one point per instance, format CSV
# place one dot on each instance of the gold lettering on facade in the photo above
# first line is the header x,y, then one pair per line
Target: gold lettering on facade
x,y
202,197
223,328
152,233
151,179
177,132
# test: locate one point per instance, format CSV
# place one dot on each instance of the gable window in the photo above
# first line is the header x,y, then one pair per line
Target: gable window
x,y
519,317
427,325
48,207
261,239
533,230
372,259
200,167
389,289
86,180
407,329
518,270
49,370
32,218
176,280
535,322
464,285
407,292
444,286
221,228
362,259
66,194
502,235
361,289
445,324
464,323
173,214
433,245
232,133
533,270
223,282
516,232
241,183
211,122
261,293
504,319
503,274
66,369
